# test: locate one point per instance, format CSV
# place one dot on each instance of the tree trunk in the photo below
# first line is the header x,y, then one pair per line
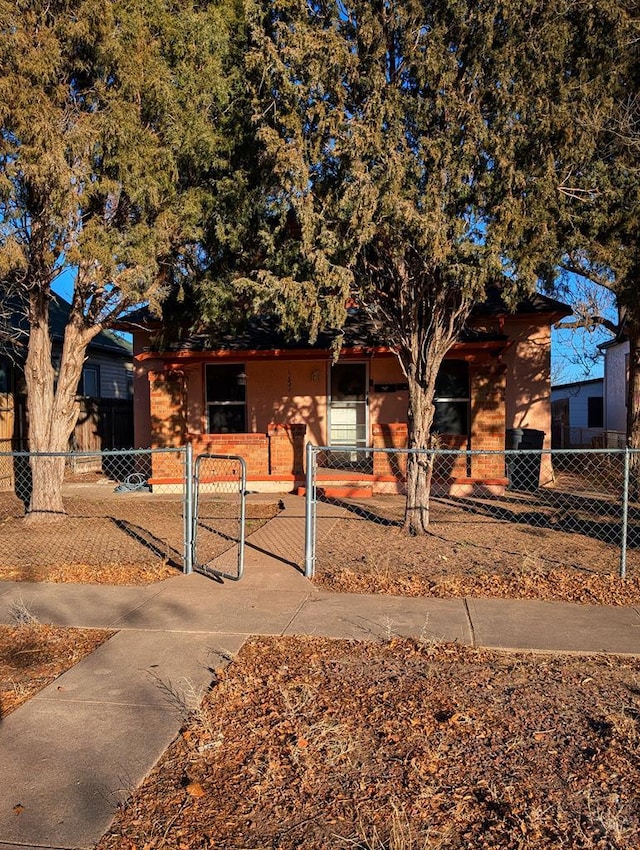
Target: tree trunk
x,y
45,504
53,410
421,363
419,465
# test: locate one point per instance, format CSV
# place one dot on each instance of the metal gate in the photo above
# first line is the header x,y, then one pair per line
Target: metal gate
x,y
219,516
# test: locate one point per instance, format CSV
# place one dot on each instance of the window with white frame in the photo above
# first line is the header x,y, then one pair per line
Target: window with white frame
x,y
225,389
90,383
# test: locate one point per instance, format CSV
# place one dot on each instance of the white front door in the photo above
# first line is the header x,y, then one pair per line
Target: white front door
x,y
348,406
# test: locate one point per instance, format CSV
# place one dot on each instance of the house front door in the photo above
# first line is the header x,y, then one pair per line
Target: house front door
x,y
348,407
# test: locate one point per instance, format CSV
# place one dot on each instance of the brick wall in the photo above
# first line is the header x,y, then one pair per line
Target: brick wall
x,y
488,385
168,466
254,448
394,436
168,427
452,466
487,390
286,449
391,436
279,452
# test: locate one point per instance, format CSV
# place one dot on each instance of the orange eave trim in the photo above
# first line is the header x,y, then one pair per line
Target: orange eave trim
x,y
181,358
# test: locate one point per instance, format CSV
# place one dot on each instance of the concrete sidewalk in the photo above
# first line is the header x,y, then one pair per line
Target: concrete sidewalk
x,y
84,743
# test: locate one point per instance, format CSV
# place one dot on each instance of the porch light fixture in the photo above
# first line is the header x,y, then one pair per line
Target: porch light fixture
x,y
315,375
241,379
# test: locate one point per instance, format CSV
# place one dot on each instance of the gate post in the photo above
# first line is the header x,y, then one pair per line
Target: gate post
x,y
309,514
188,509
624,530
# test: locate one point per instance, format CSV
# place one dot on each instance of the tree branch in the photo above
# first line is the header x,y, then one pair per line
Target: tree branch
x,y
588,322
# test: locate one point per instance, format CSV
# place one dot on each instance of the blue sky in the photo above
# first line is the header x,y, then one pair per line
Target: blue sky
x,y
63,284
570,350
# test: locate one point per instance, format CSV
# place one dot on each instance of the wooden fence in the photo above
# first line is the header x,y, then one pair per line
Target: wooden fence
x,y
103,423
6,440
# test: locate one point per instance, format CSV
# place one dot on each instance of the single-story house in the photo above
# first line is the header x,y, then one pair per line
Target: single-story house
x,y
262,397
577,410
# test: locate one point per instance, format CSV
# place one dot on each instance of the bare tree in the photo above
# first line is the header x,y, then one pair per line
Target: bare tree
x,y
111,135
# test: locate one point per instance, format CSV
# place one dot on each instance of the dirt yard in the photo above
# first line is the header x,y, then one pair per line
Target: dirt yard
x,y
554,544
109,538
316,744
503,548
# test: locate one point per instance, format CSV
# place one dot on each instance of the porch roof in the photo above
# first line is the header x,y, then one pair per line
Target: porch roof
x,y
262,336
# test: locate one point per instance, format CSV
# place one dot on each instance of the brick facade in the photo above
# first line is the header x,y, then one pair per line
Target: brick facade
x,y
168,425
286,449
487,390
487,431
278,451
254,448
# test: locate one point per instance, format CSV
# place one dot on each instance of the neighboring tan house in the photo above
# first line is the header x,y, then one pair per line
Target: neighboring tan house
x,y
577,411
105,392
261,397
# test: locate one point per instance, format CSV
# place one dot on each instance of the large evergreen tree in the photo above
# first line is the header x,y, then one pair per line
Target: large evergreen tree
x,y
115,141
596,209
398,133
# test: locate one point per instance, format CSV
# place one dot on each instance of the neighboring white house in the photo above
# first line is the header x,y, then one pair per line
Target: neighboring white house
x,y
577,413
616,381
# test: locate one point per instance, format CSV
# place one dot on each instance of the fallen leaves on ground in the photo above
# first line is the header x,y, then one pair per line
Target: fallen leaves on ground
x,y
33,655
116,539
560,585
113,574
463,556
316,744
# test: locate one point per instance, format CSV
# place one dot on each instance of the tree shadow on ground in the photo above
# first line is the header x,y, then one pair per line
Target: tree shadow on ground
x,y
598,519
158,547
371,514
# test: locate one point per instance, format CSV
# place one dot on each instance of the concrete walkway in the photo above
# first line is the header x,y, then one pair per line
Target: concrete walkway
x,y
73,752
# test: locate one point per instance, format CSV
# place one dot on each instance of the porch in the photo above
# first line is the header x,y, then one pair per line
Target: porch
x,y
275,464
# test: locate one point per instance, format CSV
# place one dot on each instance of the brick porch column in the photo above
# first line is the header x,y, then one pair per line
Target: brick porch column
x,y
488,384
168,424
286,448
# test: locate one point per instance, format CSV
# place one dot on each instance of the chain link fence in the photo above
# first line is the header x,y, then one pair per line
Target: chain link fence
x,y
219,515
115,528
489,513
135,516
131,516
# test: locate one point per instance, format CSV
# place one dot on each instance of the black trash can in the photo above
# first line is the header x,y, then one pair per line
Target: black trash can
x,y
523,471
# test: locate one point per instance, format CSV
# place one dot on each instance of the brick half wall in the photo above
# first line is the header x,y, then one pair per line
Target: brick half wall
x,y
388,465
254,448
286,449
